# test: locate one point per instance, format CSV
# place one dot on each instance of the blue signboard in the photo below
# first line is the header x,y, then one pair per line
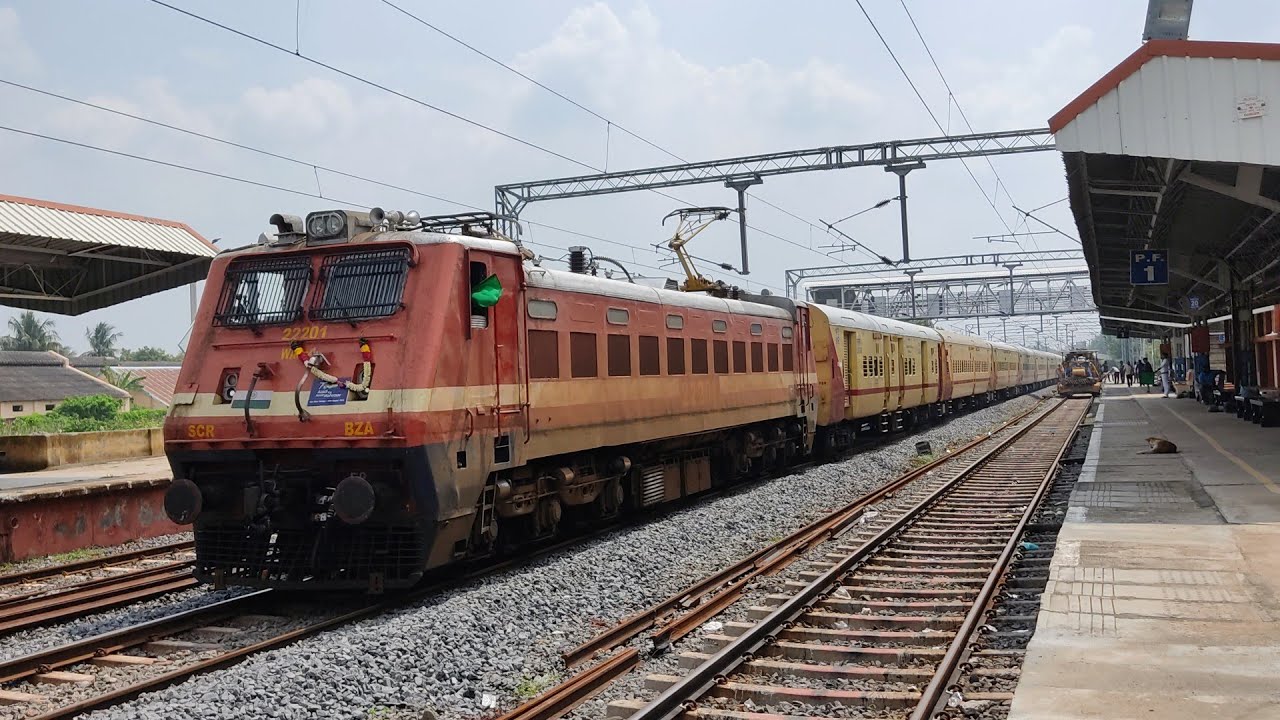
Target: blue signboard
x,y
323,393
1148,267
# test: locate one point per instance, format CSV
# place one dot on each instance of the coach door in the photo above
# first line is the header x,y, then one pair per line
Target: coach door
x,y
900,369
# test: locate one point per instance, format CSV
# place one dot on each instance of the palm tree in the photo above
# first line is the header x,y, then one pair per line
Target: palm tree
x,y
126,380
28,332
102,339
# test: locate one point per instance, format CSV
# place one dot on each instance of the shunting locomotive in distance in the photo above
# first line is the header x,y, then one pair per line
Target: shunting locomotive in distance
x,y
373,395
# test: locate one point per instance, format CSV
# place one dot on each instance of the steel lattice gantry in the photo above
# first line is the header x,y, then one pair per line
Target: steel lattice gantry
x,y
798,275
510,199
1047,293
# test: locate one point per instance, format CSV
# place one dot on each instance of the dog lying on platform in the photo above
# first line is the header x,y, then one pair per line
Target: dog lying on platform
x,y
1159,446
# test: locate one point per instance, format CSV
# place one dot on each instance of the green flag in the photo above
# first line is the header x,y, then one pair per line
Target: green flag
x,y
486,294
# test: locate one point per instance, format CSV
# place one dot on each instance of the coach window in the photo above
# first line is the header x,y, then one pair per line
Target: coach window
x,y
757,329
649,356
757,357
788,360
786,333
582,355
675,356
542,309
544,354
719,326
619,351
739,356
720,356
675,322
773,357
617,316
698,356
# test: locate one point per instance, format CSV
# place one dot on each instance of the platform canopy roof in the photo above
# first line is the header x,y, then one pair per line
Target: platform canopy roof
x,y
1176,149
69,260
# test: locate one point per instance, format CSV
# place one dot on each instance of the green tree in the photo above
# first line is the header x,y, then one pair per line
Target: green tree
x,y
148,353
102,339
28,332
125,380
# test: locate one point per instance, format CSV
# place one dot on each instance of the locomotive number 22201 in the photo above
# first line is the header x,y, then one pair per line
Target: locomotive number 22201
x,y
307,332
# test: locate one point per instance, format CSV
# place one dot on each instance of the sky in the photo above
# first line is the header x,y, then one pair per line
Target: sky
x,y
698,80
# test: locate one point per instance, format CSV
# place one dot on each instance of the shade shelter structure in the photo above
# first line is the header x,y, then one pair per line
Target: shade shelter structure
x,y
1175,188
69,260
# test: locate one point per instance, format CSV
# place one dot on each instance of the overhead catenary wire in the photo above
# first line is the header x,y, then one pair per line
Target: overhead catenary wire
x,y
929,110
305,193
609,122
418,101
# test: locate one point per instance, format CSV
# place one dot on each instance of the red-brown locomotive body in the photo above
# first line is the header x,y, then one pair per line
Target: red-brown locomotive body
x,y
354,409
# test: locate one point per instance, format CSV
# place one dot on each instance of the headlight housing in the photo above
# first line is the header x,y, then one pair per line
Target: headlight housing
x,y
327,226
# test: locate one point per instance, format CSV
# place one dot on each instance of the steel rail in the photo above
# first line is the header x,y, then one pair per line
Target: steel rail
x,y
936,692
581,687
25,576
104,594
673,701
731,580
108,643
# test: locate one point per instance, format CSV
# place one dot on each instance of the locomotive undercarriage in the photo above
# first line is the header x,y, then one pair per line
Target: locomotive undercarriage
x,y
554,495
341,519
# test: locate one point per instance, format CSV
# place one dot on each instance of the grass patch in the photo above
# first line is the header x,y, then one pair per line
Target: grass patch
x,y
75,555
531,687
918,460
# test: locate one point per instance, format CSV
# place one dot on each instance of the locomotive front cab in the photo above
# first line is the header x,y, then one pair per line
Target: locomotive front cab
x,y
300,444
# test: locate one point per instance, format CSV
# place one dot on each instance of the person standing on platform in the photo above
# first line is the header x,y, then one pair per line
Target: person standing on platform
x,y
1166,376
1128,374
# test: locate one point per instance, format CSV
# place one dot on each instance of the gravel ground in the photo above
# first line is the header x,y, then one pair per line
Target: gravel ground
x,y
489,643
93,552
25,642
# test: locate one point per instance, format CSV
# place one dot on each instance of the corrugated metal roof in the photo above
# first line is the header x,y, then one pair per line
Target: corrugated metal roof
x,y
87,226
1186,100
75,259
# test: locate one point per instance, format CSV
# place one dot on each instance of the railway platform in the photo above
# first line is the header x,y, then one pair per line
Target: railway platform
x,y
76,506
1163,597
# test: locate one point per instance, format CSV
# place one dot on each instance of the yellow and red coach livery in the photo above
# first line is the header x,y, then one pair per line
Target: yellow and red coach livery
x,y
369,396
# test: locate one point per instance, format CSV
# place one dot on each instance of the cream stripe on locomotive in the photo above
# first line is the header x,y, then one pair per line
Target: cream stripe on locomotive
x,y
544,394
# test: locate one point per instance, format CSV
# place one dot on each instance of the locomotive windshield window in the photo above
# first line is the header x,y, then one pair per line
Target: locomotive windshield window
x,y
263,292
361,285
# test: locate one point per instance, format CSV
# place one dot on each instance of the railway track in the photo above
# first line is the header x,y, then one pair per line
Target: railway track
x,y
112,668
887,627
71,590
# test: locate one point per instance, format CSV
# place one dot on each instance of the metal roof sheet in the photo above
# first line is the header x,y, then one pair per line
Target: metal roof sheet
x,y
88,226
1185,99
75,259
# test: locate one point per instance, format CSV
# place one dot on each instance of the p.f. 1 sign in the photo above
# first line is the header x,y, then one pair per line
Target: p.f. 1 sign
x,y
1148,267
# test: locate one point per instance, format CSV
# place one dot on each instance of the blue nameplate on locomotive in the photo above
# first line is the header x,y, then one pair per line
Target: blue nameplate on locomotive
x,y
323,393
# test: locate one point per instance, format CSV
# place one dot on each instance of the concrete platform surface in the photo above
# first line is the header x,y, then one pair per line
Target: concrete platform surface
x,y
148,468
1164,594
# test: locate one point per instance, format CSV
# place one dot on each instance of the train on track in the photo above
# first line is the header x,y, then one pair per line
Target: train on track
x,y
368,396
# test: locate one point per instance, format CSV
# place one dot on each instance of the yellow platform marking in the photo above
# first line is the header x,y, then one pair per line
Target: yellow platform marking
x,y
1229,455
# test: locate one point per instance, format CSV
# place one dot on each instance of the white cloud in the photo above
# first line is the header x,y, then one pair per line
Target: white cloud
x,y
151,98
624,67
314,105
15,54
1027,93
